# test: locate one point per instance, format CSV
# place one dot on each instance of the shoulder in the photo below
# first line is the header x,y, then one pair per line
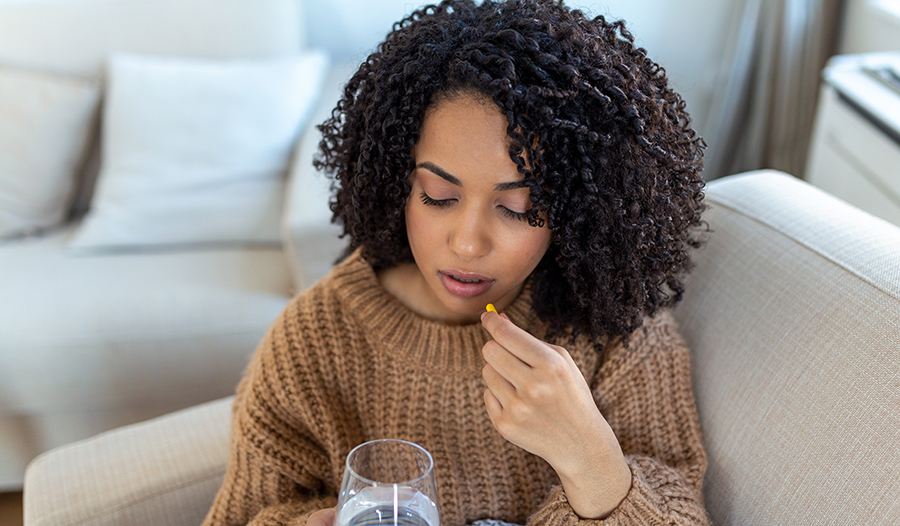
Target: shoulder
x,y
302,338
657,331
657,342
329,295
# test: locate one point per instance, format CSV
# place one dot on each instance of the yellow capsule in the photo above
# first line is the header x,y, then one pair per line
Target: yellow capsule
x,y
490,308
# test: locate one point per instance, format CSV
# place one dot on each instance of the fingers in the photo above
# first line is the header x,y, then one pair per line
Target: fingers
x,y
506,363
516,340
494,410
523,360
324,517
502,389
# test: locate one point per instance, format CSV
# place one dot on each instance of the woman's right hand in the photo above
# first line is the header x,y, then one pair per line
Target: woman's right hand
x,y
324,517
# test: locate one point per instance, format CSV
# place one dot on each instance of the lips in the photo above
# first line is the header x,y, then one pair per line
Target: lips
x,y
465,284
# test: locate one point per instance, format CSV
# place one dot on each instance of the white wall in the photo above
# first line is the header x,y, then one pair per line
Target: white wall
x,y
686,37
352,28
871,25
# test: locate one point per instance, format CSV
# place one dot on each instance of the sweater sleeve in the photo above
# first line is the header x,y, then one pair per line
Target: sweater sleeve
x,y
282,448
644,392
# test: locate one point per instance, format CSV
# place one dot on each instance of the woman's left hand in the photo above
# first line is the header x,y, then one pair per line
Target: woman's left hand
x,y
538,399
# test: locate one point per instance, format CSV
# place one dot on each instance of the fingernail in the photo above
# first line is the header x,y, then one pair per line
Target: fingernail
x,y
483,314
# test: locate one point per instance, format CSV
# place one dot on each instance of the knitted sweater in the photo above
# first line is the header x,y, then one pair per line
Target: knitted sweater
x,y
346,363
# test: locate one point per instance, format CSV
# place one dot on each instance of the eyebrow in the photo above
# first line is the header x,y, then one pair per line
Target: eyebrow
x,y
443,174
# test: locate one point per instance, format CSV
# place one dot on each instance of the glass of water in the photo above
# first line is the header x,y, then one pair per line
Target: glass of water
x,y
388,483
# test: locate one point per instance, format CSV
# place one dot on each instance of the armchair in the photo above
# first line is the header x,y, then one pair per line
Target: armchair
x,y
792,315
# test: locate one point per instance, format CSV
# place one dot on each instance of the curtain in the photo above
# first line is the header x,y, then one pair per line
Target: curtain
x,y
761,113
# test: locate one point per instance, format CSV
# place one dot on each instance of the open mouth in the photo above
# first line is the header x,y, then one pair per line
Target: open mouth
x,y
465,284
463,280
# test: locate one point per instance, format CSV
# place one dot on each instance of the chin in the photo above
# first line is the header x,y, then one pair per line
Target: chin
x,y
471,306
466,306
462,306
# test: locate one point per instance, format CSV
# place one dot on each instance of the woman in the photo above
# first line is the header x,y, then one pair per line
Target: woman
x,y
513,153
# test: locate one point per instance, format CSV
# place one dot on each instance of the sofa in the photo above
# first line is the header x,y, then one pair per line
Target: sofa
x,y
101,334
791,313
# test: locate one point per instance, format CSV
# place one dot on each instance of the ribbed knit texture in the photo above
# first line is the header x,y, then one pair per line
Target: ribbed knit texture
x,y
346,363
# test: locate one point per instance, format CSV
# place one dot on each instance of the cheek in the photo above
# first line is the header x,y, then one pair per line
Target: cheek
x,y
527,250
419,229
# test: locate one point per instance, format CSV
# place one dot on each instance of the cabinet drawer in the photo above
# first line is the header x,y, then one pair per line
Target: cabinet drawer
x,y
867,145
855,159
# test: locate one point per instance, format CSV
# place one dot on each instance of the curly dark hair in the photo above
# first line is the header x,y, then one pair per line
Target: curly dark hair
x,y
614,165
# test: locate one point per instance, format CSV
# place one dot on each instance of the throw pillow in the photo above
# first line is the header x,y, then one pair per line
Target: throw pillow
x,y
196,151
46,122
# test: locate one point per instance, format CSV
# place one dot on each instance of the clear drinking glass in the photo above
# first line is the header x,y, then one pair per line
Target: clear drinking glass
x,y
388,483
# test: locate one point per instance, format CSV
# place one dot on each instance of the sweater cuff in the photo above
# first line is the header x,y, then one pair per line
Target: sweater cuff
x,y
657,493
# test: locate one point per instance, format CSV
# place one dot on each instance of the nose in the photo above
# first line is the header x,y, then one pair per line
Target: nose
x,y
470,237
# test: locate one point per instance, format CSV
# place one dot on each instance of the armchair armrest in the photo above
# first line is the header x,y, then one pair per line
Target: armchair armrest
x,y
164,471
791,316
311,241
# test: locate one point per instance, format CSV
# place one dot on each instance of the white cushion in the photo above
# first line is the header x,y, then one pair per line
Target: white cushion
x,y
78,37
45,125
196,151
130,330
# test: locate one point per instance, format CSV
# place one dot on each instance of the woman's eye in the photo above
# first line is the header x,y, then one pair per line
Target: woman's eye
x,y
440,203
519,216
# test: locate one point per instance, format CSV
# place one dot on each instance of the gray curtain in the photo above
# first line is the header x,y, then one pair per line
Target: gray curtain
x,y
761,113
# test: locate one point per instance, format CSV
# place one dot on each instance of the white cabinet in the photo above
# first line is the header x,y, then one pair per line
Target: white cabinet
x,y
855,148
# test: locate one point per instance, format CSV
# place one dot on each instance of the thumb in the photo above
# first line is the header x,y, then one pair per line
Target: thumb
x,y
324,517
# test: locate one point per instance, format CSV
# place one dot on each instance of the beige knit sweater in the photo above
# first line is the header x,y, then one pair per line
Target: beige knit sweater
x,y
346,363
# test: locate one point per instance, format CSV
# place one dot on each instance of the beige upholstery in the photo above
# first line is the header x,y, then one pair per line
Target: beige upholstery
x,y
163,471
792,314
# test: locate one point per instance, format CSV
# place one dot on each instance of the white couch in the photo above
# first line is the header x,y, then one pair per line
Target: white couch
x,y
792,317
92,342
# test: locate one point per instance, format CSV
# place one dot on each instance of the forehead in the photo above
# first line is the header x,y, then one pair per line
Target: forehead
x,y
466,134
465,112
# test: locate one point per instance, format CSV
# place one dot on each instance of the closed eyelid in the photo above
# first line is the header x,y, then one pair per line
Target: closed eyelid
x,y
437,189
516,206
520,199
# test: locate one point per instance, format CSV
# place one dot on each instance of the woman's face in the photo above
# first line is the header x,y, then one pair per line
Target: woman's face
x,y
465,216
